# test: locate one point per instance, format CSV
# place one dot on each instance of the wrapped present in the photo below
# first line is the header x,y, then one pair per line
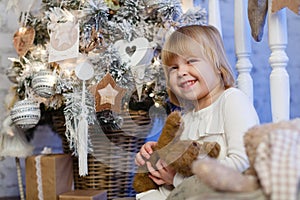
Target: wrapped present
x,y
47,176
84,195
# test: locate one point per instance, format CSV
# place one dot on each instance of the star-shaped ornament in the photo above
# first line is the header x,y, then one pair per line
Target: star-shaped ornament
x,y
108,95
64,36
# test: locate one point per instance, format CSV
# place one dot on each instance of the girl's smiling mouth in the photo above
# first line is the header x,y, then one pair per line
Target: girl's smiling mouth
x,y
187,83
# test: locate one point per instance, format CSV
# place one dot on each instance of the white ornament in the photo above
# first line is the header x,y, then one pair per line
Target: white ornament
x,y
26,113
64,42
138,55
84,70
43,83
137,52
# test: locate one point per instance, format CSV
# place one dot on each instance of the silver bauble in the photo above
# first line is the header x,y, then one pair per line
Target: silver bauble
x,y
43,83
26,114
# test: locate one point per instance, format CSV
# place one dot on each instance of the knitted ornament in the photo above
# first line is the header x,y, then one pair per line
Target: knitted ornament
x,y
25,114
43,83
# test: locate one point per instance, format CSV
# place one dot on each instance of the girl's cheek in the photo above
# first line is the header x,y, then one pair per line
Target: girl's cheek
x,y
172,79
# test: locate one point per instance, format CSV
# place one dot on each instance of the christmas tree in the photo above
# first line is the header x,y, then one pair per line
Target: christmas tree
x,y
92,59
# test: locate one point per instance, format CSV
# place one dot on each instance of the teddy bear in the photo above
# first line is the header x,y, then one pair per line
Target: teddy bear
x,y
179,154
274,168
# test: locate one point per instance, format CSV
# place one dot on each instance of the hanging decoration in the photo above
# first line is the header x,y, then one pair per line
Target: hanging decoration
x,y
13,141
137,54
64,34
84,71
23,40
43,83
26,113
108,94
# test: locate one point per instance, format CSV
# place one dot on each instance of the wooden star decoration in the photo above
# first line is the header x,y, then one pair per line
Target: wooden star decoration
x,y
108,95
293,5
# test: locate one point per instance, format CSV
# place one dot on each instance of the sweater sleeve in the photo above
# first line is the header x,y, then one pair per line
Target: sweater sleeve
x,y
240,115
178,178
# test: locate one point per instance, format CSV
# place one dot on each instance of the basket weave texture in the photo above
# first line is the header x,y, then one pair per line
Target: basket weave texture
x,y
111,165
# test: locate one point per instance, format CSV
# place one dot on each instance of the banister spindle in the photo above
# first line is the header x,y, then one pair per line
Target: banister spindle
x,y
214,17
279,78
242,37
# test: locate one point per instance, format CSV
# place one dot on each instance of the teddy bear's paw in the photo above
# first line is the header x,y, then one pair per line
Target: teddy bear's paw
x,y
212,149
142,183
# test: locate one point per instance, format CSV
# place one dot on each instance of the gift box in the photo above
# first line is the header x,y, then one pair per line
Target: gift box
x,y
47,176
84,195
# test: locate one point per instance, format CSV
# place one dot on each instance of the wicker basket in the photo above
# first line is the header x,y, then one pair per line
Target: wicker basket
x,y
111,166
58,125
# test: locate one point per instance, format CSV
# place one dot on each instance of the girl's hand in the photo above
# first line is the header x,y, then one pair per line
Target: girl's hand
x,y
163,175
145,152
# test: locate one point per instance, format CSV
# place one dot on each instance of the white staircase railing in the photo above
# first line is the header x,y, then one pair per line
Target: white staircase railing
x,y
214,17
277,32
279,78
242,38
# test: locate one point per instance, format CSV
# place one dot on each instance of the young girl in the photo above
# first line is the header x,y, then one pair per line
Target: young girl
x,y
200,81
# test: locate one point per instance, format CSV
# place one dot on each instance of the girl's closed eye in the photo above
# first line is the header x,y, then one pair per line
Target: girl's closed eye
x,y
172,68
192,60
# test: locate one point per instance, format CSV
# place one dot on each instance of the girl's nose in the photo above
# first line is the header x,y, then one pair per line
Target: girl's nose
x,y
182,70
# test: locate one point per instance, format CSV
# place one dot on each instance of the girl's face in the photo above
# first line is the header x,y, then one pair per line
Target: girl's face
x,y
194,79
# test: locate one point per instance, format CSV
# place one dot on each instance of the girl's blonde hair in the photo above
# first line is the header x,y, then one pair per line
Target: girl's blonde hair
x,y
208,38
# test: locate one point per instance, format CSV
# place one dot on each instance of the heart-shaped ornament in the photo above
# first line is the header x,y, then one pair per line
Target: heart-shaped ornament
x,y
135,53
130,50
23,40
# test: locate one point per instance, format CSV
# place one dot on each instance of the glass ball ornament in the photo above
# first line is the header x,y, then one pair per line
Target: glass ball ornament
x,y
43,83
25,114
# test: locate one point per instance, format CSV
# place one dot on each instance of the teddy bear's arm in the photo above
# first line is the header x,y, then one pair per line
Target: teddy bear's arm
x,y
223,178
